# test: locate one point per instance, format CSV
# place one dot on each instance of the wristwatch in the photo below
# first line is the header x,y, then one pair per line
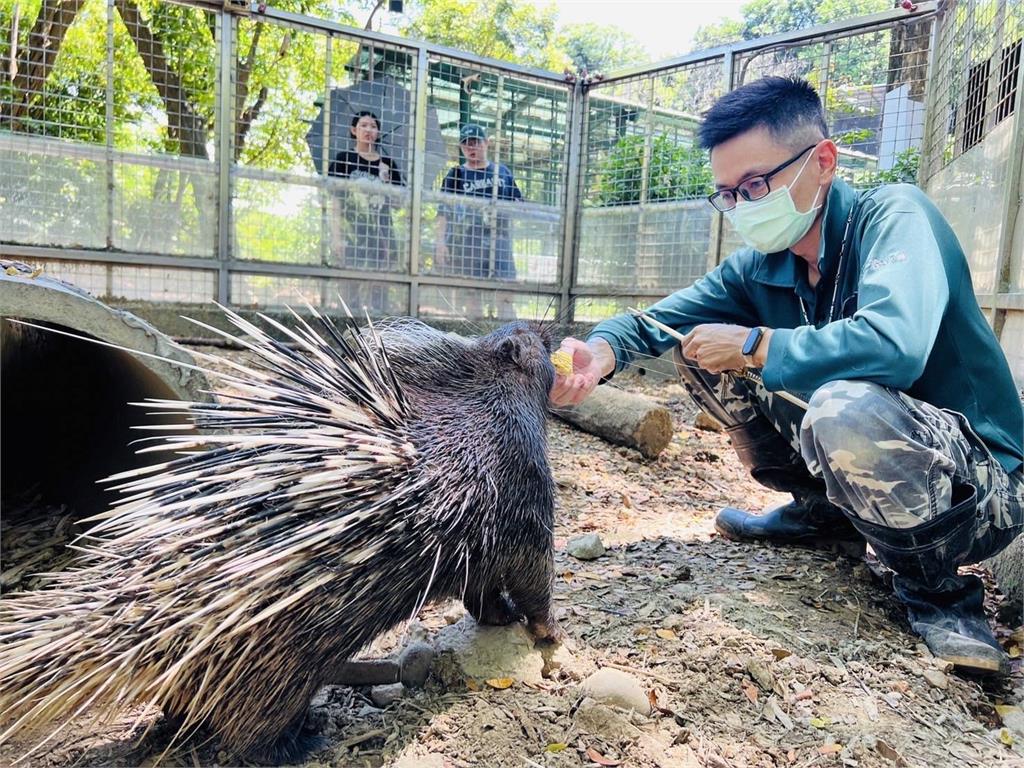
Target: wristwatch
x,y
750,346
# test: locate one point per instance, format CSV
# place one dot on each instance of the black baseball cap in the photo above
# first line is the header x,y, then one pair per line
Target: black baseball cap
x,y
471,131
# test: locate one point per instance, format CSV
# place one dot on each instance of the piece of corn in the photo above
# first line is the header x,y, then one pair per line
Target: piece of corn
x,y
562,361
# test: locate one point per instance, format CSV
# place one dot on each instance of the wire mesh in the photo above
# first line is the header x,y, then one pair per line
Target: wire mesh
x,y
493,208
162,110
645,222
970,142
127,282
457,303
275,292
111,129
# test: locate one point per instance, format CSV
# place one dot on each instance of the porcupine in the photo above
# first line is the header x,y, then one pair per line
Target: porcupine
x,y
342,486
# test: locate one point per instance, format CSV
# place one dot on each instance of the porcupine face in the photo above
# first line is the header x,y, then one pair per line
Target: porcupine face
x,y
523,350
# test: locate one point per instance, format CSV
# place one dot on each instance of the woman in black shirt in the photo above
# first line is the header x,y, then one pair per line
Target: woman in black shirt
x,y
368,242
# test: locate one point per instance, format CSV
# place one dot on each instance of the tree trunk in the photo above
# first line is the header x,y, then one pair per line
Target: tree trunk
x,y
622,418
184,125
35,61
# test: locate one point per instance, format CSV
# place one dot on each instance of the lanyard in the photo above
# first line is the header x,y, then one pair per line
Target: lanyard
x,y
839,272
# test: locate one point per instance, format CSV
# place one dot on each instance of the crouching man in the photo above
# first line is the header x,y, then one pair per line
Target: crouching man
x,y
861,304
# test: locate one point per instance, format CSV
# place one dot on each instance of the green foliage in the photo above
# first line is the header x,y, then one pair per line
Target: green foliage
x,y
675,172
770,17
904,170
500,29
597,48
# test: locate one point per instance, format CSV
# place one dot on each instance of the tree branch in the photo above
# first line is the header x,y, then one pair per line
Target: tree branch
x,y
35,61
184,125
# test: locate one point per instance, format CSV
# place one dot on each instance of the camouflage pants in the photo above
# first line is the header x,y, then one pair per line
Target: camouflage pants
x,y
885,458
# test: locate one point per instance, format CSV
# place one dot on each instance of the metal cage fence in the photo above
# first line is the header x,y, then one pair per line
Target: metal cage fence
x,y
972,163
647,227
141,138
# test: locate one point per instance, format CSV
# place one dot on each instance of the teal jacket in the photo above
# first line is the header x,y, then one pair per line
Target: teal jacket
x,y
905,314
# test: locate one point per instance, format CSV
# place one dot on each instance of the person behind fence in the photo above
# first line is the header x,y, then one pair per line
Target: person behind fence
x,y
861,304
368,242
465,232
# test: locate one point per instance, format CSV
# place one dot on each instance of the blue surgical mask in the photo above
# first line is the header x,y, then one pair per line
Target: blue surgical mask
x,y
773,223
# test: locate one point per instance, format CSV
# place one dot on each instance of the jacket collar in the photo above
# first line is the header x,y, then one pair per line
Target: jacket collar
x,y
781,269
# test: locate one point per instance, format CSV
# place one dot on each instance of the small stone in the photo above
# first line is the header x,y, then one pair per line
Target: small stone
x,y
761,675
936,679
383,695
682,573
414,664
707,422
675,622
453,613
621,689
586,547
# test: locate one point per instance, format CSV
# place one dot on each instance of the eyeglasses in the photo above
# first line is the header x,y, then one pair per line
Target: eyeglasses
x,y
753,188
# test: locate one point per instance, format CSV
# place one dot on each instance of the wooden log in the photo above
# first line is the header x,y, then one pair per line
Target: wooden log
x,y
622,418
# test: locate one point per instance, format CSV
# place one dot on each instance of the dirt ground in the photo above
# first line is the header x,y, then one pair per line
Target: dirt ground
x,y
754,656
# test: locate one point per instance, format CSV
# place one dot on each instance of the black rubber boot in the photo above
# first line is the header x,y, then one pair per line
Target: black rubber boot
x,y
809,520
943,607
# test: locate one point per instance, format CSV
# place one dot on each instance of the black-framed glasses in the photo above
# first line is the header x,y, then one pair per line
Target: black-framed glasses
x,y
753,188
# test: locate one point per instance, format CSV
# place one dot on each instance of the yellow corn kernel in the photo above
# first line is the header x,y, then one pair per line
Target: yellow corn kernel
x,y
562,361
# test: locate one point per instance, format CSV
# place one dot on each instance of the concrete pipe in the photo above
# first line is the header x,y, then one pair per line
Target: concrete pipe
x,y
64,413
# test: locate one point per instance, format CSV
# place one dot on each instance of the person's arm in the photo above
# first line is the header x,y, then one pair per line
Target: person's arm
x,y
902,296
718,297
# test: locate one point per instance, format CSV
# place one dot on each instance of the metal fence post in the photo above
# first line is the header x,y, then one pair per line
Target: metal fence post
x,y
1012,202
224,130
571,210
717,221
326,194
924,169
109,117
419,154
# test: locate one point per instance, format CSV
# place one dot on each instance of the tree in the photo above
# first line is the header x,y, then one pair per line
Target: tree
x,y
499,29
597,48
770,17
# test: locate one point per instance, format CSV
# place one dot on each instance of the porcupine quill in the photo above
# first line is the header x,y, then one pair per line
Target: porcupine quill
x,y
340,487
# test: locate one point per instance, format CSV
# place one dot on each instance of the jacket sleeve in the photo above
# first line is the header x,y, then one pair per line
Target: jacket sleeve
x,y
902,296
718,297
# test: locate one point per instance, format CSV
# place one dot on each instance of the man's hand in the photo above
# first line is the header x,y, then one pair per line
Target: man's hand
x,y
590,363
717,347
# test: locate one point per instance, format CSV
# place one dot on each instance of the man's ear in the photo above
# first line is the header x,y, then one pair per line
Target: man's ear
x,y
826,156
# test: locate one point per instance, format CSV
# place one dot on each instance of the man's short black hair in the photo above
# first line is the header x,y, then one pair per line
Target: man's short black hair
x,y
788,107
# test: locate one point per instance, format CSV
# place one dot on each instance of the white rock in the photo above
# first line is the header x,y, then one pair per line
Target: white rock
x,y
468,650
936,679
621,689
383,695
586,547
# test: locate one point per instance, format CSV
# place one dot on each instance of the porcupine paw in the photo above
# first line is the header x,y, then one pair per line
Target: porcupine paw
x,y
547,630
293,745
498,612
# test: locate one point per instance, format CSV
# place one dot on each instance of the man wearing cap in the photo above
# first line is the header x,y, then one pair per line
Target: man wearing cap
x,y
465,232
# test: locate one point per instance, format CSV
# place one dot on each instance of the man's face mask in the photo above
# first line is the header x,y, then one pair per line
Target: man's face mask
x,y
772,223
